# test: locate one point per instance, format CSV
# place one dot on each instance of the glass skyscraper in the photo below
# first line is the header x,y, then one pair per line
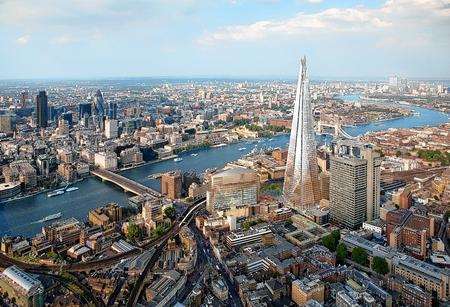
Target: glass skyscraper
x,y
42,109
301,182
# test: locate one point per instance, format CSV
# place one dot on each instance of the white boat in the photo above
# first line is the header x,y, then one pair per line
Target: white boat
x,y
242,148
194,154
71,189
219,145
52,217
155,176
55,193
178,159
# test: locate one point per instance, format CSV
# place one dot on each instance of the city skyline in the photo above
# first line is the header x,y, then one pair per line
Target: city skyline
x,y
351,39
179,153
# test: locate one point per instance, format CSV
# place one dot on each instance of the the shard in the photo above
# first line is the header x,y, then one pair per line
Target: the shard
x,y
301,183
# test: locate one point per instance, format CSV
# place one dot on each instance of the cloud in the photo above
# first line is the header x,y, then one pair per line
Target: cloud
x,y
64,39
85,13
393,17
23,40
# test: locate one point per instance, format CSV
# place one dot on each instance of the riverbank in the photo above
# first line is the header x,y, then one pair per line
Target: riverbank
x,y
146,163
40,192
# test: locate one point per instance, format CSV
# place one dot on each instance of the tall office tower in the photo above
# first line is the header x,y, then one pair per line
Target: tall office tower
x,y
301,183
111,110
98,104
98,110
23,99
111,128
354,184
42,109
171,184
84,110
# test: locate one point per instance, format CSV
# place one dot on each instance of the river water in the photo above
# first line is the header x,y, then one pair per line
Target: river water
x,y
21,217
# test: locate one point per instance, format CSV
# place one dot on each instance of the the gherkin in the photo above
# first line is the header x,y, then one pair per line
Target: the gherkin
x,y
301,183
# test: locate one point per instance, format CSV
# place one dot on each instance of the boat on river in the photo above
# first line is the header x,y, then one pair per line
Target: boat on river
x,y
242,148
178,159
155,176
51,217
55,193
194,154
71,189
219,145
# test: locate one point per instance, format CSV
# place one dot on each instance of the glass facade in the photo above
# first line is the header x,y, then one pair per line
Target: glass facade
x,y
301,181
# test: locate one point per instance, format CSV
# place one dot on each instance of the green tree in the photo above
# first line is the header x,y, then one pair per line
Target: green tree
x,y
336,235
159,231
359,255
398,153
329,242
380,265
434,155
170,212
134,232
341,253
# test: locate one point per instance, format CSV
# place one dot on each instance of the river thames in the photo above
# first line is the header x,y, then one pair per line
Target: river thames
x,y
21,217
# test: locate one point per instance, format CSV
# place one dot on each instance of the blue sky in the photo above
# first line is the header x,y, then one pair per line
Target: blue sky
x,y
234,38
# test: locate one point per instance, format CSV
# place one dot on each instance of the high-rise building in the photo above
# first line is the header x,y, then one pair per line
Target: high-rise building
x,y
111,110
111,128
23,99
98,106
84,110
171,184
324,180
98,110
235,189
42,109
301,183
354,183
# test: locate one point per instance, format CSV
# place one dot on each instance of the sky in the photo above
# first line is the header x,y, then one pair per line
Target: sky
x,y
224,38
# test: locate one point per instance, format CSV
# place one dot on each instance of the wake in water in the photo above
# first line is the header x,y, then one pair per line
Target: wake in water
x,y
48,218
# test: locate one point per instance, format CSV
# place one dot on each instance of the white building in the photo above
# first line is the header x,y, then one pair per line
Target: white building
x,y
111,128
251,236
106,160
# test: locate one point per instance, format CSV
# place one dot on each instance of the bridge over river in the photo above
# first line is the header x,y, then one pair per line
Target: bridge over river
x,y
125,183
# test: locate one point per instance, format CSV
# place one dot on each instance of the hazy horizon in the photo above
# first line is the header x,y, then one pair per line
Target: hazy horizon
x,y
223,78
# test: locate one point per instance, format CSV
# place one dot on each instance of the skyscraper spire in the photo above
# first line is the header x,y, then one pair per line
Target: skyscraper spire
x,y
301,183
